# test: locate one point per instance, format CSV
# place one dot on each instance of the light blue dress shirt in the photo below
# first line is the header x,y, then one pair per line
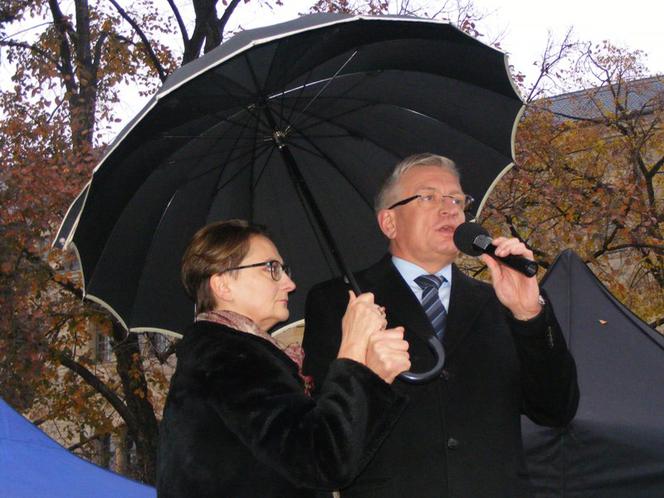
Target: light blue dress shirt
x,y
410,271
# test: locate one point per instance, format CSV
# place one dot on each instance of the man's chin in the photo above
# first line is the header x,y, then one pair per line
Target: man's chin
x,y
447,252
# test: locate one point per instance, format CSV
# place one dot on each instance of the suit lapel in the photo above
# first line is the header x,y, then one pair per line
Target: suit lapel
x,y
467,299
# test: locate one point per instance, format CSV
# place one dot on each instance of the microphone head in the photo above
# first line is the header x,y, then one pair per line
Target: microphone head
x,y
464,236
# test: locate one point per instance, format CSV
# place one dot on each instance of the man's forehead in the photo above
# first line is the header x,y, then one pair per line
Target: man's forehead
x,y
453,190
434,180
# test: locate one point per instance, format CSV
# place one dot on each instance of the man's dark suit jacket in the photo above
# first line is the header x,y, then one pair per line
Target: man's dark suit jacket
x,y
460,435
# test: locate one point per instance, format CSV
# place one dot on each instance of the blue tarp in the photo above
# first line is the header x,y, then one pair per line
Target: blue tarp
x,y
32,465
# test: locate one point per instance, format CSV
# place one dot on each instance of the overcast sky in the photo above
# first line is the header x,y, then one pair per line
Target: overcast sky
x,y
634,24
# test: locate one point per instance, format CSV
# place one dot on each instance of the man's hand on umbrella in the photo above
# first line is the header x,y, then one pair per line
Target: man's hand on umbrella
x,y
516,291
387,354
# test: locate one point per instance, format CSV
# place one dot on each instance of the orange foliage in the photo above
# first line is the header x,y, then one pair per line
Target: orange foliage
x,y
589,176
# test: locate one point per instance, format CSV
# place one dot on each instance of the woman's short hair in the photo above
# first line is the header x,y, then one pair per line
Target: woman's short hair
x,y
387,193
213,249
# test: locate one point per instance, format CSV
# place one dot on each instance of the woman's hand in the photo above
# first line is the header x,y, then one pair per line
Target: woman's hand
x,y
362,318
387,354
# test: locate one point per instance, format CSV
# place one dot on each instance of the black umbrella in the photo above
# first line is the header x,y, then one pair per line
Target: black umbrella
x,y
320,107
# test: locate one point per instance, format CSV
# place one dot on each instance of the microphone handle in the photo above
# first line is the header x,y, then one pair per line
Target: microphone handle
x,y
518,263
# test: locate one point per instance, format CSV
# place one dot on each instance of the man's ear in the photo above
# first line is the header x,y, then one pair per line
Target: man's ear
x,y
387,223
220,288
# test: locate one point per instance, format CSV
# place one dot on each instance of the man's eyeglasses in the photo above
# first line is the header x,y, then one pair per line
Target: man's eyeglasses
x,y
431,200
277,268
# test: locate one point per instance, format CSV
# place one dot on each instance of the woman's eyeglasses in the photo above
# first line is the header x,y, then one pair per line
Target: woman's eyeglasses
x,y
277,268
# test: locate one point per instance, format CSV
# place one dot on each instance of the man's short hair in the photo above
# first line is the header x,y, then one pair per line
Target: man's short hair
x,y
387,193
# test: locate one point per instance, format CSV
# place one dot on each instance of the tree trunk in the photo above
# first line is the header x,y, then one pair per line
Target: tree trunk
x,y
143,427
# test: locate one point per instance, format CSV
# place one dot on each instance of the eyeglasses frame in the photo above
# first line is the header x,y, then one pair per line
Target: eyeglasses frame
x,y
468,198
269,264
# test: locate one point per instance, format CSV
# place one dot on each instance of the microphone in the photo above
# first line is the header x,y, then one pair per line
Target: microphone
x,y
472,239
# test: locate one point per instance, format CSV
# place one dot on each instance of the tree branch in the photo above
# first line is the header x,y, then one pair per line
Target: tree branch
x,y
63,27
656,323
144,39
178,18
96,58
93,381
86,440
83,38
635,245
549,60
221,23
67,285
656,168
34,49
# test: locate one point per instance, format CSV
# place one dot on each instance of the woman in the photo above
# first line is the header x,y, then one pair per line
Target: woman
x,y
237,421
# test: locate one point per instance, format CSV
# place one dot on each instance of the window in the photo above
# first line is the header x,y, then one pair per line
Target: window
x,y
159,343
103,348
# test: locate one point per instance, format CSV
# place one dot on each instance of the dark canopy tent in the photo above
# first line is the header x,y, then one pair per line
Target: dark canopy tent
x,y
33,465
614,448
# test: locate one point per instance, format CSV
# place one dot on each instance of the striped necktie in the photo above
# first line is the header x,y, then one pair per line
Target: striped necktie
x,y
431,302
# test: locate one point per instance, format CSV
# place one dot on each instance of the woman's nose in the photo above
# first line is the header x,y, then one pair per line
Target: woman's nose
x,y
287,283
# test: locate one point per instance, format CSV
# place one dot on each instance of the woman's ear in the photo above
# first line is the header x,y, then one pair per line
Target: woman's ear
x,y
220,288
387,223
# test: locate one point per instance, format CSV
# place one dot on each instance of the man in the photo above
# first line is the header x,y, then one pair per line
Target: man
x,y
460,435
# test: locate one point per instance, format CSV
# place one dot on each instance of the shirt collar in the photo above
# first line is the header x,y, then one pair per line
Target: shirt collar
x,y
410,271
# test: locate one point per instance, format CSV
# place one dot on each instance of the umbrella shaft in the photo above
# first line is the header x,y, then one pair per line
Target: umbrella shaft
x,y
307,197
303,189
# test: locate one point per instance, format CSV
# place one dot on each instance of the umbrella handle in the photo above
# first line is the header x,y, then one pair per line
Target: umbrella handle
x,y
419,378
434,344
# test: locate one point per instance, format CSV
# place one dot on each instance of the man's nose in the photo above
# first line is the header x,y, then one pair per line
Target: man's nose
x,y
446,205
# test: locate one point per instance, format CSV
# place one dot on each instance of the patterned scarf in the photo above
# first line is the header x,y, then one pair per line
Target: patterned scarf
x,y
240,322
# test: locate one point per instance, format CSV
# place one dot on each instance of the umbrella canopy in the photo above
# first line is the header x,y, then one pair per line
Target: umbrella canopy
x,y
345,97
614,447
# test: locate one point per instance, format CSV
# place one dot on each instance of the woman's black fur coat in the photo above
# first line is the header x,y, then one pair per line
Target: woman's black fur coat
x,y
238,424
